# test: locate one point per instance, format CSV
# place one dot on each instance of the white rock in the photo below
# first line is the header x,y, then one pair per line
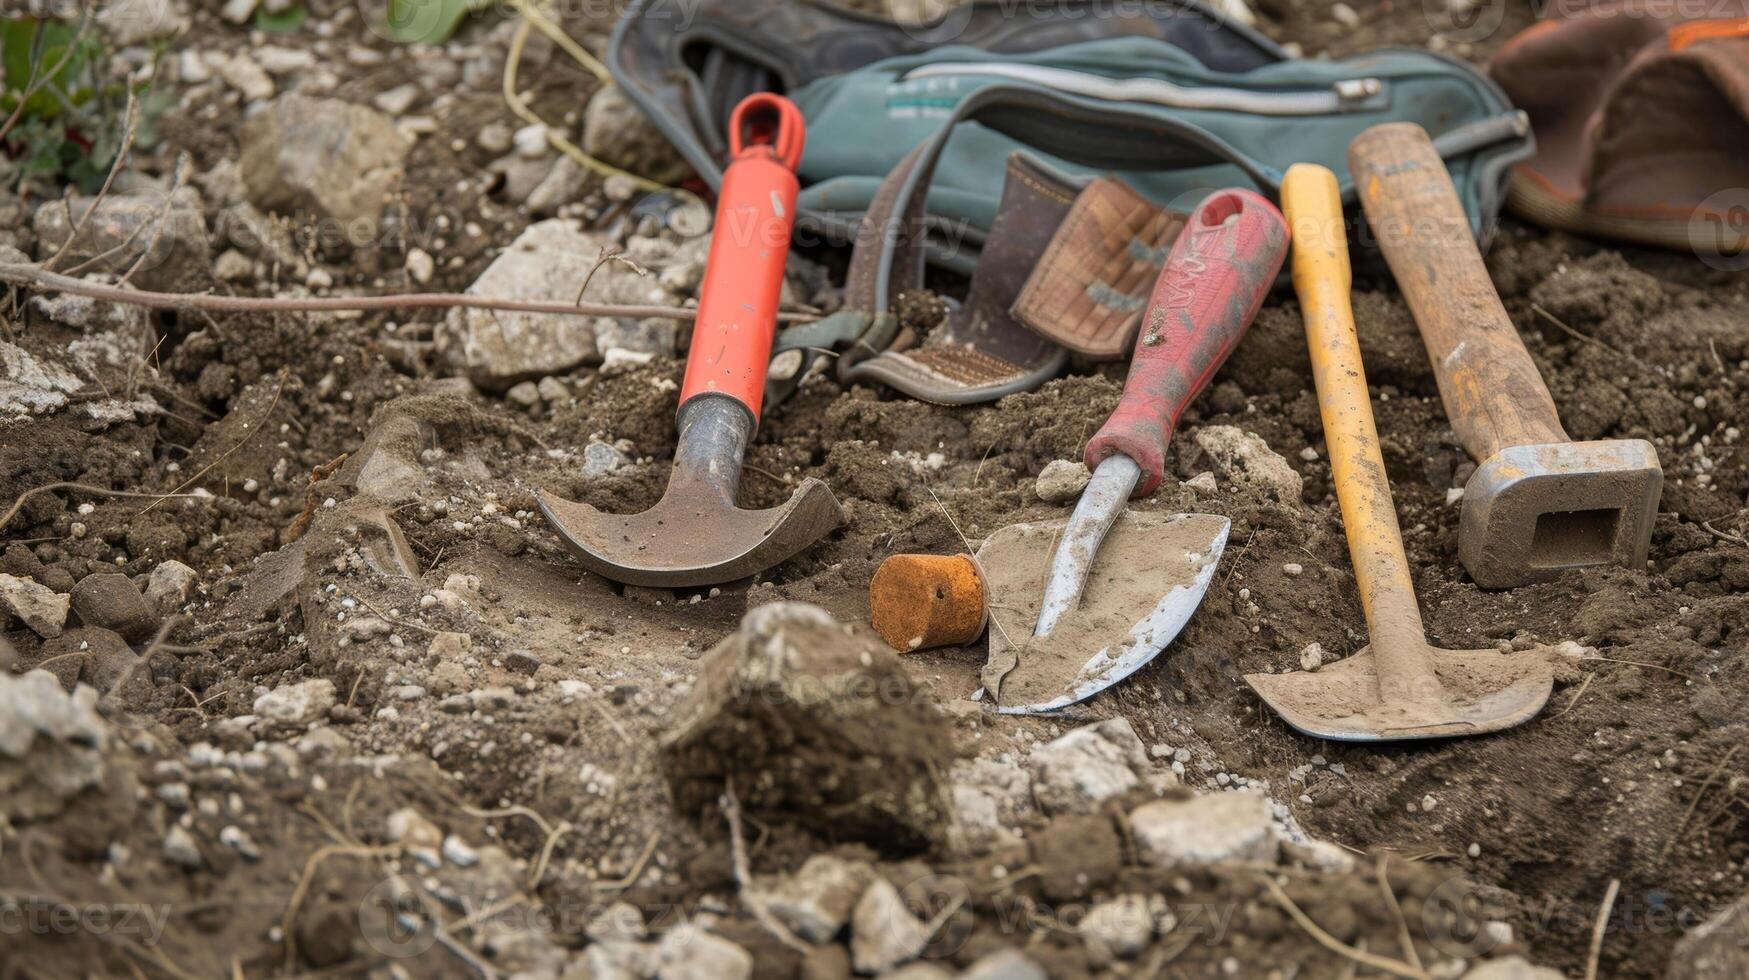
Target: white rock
x,y
531,141
817,900
39,607
327,157
1312,657
35,703
233,266
883,932
1203,482
243,74
131,22
421,267
545,263
524,393
1005,964
687,952
170,584
1247,459
1062,481
397,100
297,704
1516,968
180,848
1124,925
991,797
600,459
238,11
422,838
276,60
1234,826
457,852
1075,772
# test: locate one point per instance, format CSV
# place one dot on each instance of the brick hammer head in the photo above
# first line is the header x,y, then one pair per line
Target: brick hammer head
x,y
1531,512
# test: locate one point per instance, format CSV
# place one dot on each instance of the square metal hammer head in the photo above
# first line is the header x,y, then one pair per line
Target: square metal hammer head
x,y
1531,512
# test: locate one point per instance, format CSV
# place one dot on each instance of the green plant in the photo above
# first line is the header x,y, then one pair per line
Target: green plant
x,y
427,21
68,118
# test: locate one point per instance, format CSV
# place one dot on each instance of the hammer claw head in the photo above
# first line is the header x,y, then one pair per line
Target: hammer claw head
x,y
690,537
1532,512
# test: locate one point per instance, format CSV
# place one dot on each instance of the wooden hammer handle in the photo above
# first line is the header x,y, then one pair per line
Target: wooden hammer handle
x,y
1493,393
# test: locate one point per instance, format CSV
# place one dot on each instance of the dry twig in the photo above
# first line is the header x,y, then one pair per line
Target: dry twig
x,y
744,875
1395,968
1599,929
26,274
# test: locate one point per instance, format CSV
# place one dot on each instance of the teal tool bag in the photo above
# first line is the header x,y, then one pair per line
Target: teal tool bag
x,y
1145,111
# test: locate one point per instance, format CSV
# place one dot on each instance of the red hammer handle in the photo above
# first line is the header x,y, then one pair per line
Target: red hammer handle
x,y
1221,267
743,274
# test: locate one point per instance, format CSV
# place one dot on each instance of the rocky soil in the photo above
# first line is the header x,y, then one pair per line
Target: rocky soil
x,y
298,682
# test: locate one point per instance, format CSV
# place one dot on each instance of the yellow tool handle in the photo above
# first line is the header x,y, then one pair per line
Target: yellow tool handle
x,y
1493,393
1312,202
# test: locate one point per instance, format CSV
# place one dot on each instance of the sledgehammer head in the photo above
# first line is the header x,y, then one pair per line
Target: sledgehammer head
x,y
1531,512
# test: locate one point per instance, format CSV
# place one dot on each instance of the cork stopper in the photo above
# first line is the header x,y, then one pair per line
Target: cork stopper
x,y
923,601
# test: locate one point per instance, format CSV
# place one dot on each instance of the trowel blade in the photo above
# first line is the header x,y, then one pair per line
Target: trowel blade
x,y
1189,548
1487,691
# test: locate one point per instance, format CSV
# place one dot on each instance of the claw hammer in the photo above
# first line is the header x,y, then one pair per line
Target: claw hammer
x,y
1538,503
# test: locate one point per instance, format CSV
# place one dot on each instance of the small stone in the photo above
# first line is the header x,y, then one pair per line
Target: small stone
x,y
111,601
180,848
1062,481
1312,657
397,100
531,141
449,646
1343,14
244,74
1124,926
420,266
1234,826
421,838
233,266
1717,949
1075,772
239,11
553,390
495,138
817,900
525,394
1309,454
328,157
687,952
617,132
1293,569
457,852
1203,482
1248,460
1474,851
1005,964
38,606
522,662
883,932
600,459
170,584
1428,803
238,839
319,278
297,704
1517,968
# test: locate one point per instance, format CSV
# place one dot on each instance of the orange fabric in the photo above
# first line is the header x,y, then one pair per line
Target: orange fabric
x,y
1693,32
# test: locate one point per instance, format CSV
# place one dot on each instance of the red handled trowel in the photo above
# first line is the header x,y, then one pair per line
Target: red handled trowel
x,y
1144,573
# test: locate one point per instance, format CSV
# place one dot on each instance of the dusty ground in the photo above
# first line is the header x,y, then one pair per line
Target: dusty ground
x,y
482,679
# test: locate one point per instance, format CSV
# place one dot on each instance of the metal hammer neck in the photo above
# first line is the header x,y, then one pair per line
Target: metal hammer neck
x,y
714,432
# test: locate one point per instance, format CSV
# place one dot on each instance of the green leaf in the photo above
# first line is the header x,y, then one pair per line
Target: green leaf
x,y
426,21
284,22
